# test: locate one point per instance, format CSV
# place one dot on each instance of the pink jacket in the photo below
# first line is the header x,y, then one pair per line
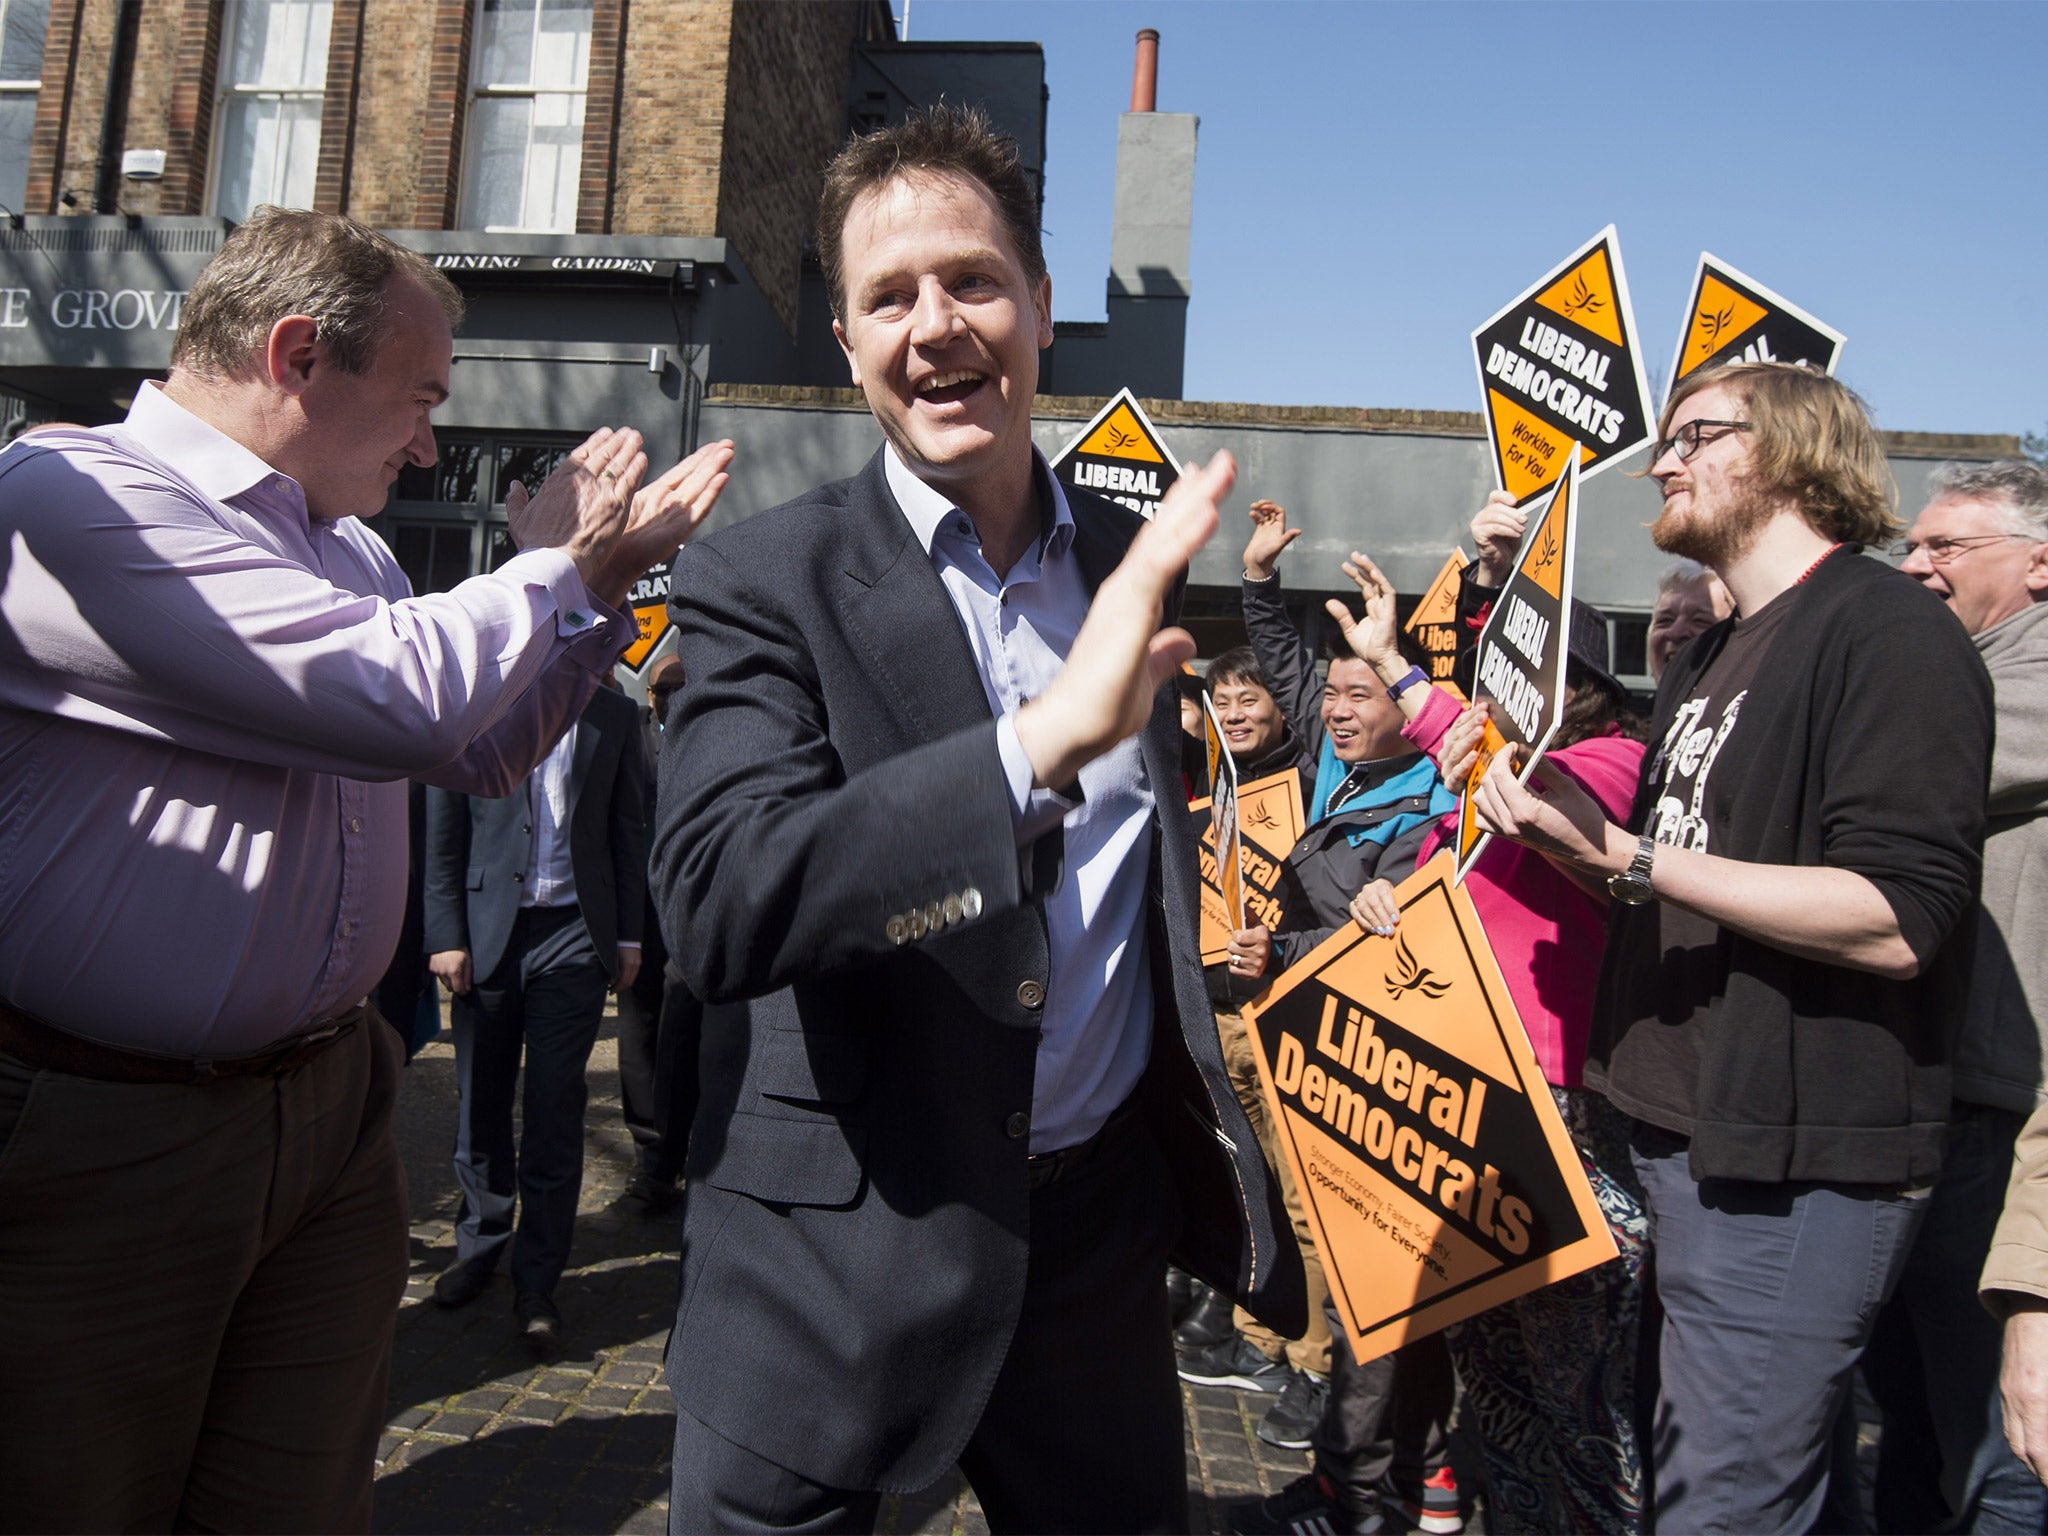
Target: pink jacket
x,y
1546,932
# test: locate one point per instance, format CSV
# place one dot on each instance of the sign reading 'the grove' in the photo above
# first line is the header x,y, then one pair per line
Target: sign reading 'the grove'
x,y
1435,1171
1561,365
1120,455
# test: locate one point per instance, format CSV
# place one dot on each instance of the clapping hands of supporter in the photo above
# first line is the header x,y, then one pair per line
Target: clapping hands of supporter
x,y
1375,910
581,508
1375,637
1270,535
594,509
1497,532
1121,656
665,513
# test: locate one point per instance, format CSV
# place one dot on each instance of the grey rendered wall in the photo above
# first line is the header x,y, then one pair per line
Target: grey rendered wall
x,y
1405,499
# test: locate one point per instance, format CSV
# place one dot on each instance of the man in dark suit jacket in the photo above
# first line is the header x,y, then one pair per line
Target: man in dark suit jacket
x,y
962,1092
527,934
659,1022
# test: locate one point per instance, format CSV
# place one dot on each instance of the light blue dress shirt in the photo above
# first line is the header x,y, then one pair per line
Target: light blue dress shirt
x,y
1096,1033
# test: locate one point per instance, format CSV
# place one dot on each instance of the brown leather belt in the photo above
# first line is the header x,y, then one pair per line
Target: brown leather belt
x,y
35,1044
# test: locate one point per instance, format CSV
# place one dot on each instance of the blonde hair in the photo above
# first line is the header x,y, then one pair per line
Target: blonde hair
x,y
1810,440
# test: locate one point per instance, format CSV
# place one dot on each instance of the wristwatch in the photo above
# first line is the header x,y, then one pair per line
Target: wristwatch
x,y
1632,886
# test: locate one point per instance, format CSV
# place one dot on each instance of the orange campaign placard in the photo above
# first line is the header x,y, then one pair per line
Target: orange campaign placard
x,y
1269,822
1120,455
1733,317
1523,652
1434,623
1436,1173
648,603
1225,839
1561,368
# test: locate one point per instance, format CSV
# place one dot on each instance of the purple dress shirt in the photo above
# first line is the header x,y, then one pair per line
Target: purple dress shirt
x,y
209,704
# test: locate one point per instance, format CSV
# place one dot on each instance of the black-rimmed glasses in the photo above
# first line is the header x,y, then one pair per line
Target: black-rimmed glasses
x,y
1691,437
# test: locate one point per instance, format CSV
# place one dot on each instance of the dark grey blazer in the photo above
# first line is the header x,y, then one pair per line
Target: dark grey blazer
x,y
478,849
857,1230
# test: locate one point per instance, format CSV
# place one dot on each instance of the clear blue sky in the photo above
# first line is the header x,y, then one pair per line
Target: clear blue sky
x,y
1375,180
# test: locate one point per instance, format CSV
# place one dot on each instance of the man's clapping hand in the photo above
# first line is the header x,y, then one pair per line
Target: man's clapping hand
x,y
594,509
1121,656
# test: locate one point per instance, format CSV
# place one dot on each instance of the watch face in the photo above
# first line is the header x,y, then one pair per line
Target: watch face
x,y
1630,888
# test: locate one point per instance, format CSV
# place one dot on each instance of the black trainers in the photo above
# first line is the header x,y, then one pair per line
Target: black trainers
x,y
1208,1320
1233,1363
1291,1422
1305,1507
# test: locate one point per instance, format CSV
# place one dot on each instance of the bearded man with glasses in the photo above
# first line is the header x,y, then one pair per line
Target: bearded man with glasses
x,y
1789,950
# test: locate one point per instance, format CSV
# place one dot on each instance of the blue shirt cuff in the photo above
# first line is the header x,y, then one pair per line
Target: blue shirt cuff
x,y
1033,812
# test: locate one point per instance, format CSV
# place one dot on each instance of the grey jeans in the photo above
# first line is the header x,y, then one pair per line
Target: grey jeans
x,y
199,1284
1770,1292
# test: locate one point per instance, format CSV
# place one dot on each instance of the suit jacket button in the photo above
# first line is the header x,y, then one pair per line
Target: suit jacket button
x,y
935,917
970,903
951,907
1031,995
897,929
915,918
1017,1125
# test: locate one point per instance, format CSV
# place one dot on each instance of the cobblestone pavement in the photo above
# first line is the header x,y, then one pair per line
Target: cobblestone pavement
x,y
481,1438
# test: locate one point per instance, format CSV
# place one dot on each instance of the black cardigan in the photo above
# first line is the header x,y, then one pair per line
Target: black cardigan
x,y
1864,744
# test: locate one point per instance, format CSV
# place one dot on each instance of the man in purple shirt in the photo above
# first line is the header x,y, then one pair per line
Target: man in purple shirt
x,y
214,683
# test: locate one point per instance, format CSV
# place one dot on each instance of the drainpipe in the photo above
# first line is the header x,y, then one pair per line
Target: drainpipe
x,y
106,184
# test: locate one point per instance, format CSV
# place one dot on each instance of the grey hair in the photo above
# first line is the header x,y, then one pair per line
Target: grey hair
x,y
2018,487
1681,573
290,261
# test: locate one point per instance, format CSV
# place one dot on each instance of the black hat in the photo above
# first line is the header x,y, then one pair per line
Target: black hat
x,y
1588,645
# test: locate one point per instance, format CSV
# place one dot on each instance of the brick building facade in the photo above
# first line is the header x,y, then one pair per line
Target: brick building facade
x,y
699,118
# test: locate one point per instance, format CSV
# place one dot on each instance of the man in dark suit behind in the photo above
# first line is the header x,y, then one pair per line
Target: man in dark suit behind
x,y
534,904
962,1092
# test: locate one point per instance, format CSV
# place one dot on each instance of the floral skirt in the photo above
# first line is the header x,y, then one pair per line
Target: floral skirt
x,y
1550,1378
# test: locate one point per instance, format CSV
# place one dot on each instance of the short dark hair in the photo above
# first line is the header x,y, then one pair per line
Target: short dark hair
x,y
290,261
935,141
1239,664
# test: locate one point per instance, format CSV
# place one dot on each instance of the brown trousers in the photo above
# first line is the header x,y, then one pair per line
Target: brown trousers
x,y
1310,1352
197,1290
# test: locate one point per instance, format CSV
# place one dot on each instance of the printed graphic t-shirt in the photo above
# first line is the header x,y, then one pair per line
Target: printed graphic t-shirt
x,y
1655,1065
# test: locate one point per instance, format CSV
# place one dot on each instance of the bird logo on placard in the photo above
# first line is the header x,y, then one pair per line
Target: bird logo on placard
x,y
1546,550
1711,327
1120,439
1258,816
1410,977
1583,299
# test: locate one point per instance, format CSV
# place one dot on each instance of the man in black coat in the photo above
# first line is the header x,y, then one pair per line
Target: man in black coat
x,y
534,905
962,1094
